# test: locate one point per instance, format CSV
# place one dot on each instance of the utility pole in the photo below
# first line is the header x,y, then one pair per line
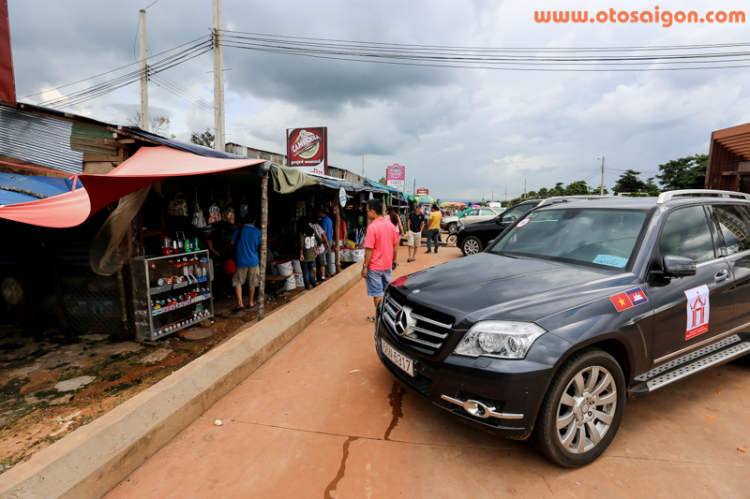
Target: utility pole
x,y
601,190
524,188
363,167
144,74
414,189
219,136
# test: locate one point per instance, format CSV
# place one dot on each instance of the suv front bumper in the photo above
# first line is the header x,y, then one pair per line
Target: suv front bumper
x,y
496,395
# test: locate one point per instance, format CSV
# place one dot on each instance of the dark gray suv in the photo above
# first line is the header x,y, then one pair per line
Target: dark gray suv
x,y
577,306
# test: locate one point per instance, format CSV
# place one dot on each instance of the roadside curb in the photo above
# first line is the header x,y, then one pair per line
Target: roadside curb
x,y
96,457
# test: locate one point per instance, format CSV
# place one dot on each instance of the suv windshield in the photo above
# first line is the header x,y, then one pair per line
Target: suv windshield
x,y
596,237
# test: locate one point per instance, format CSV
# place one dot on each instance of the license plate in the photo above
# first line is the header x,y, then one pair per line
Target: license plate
x,y
402,361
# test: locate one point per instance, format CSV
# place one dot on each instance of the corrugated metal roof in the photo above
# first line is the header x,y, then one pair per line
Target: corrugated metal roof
x,y
183,146
40,140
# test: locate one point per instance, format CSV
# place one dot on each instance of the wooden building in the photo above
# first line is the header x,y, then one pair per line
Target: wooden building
x,y
729,159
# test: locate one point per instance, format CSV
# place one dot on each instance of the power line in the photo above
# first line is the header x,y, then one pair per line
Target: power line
x,y
114,70
487,58
197,101
118,82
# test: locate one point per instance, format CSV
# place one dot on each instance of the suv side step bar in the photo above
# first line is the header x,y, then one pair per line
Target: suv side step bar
x,y
676,370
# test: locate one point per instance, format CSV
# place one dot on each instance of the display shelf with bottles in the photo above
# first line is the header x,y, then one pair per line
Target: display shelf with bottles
x,y
170,293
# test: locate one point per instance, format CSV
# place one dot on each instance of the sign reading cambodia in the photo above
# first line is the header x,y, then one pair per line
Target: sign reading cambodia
x,y
423,191
395,176
307,149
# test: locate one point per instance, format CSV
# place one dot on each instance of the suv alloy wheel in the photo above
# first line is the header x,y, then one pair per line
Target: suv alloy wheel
x,y
582,409
471,246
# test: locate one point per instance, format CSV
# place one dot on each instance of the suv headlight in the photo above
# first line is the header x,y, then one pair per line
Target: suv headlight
x,y
501,339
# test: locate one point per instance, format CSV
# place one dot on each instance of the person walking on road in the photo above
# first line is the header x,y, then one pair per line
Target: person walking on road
x,y
414,236
247,240
381,250
433,228
309,241
396,222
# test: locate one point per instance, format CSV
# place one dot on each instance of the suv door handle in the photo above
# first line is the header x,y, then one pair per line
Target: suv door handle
x,y
721,276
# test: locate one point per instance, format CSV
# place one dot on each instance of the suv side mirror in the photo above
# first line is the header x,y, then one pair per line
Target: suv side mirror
x,y
678,266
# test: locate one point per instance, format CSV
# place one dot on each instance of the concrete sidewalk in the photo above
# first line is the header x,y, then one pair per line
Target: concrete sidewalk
x,y
323,418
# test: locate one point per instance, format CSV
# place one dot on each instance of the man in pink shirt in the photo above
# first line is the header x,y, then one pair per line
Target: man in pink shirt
x,y
381,251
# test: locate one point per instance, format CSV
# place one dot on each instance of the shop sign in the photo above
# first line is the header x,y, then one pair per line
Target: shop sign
x,y
307,149
423,191
395,176
342,197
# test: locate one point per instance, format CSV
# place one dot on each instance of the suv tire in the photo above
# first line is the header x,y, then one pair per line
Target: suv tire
x,y
582,409
452,227
471,246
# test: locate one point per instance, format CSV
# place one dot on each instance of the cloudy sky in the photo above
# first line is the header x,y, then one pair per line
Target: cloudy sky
x,y
462,133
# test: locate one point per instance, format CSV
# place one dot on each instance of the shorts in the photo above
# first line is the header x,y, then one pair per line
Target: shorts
x,y
377,281
414,239
320,260
243,274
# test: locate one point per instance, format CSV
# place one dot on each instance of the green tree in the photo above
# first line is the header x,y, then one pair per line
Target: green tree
x,y
684,173
578,188
554,192
205,139
543,193
651,187
382,180
629,182
560,187
532,195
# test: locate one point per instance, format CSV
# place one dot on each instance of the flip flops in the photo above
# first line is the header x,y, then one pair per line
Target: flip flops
x,y
237,309
370,319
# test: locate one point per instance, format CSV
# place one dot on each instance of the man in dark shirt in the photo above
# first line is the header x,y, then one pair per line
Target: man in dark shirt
x,y
414,234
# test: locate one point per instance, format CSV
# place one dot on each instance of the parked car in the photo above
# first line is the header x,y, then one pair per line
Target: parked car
x,y
577,306
468,216
472,239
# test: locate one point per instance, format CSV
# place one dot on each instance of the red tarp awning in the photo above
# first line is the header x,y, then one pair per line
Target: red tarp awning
x,y
147,165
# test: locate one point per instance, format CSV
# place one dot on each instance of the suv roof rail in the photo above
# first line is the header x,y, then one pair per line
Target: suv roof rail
x,y
667,196
563,199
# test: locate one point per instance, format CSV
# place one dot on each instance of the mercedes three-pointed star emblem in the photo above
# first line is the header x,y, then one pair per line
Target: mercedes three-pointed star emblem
x,y
404,321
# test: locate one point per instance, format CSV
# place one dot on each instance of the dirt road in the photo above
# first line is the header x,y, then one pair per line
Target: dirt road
x,y
324,419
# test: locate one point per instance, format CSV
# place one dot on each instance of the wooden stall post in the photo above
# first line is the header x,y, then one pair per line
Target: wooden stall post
x,y
337,233
263,246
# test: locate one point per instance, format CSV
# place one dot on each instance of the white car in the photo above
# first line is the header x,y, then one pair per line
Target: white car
x,y
469,217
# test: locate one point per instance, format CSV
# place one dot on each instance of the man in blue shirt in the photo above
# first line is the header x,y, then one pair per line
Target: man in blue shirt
x,y
247,239
327,224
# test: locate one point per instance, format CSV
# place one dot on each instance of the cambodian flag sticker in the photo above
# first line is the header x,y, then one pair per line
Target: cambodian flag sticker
x,y
637,296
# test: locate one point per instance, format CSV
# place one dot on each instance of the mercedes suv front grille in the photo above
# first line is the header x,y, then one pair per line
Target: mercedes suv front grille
x,y
418,326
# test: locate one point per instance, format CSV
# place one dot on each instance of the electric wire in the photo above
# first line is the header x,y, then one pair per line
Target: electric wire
x,y
118,82
197,101
491,58
113,70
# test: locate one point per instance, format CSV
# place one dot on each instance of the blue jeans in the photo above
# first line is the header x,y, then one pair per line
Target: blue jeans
x,y
433,234
308,275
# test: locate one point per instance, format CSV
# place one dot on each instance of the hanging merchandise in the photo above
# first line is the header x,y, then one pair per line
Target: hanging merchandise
x,y
199,220
178,207
229,215
244,208
214,214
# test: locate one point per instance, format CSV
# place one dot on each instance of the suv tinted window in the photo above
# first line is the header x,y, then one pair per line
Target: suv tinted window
x,y
516,212
686,233
592,236
732,225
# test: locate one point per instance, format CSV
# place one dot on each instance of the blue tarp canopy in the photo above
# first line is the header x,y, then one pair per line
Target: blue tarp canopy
x,y
15,188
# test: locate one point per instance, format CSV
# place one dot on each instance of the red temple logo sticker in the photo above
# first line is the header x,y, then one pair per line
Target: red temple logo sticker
x,y
697,311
